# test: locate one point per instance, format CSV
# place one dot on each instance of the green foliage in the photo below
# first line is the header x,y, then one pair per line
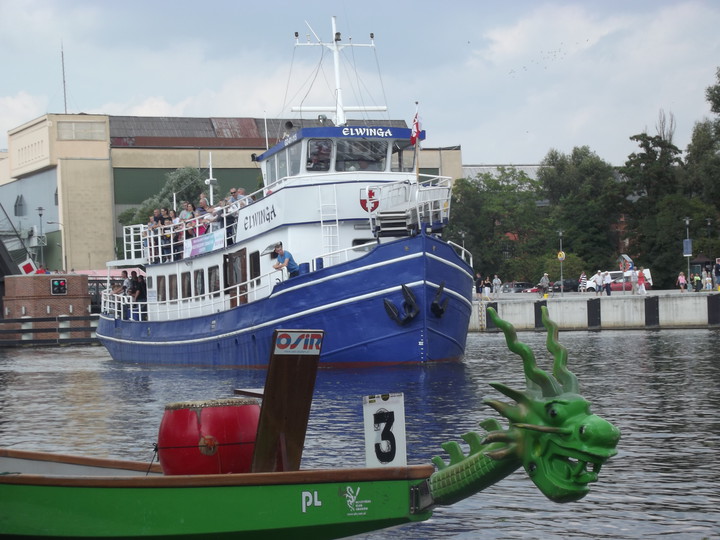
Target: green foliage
x,y
185,184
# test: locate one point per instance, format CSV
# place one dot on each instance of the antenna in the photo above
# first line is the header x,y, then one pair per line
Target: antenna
x,y
335,47
62,60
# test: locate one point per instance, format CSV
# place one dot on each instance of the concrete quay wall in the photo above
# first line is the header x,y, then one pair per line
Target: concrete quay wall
x,y
658,310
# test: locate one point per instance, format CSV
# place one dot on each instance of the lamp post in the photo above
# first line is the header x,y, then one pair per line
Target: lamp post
x,y
462,235
40,211
62,242
687,247
561,256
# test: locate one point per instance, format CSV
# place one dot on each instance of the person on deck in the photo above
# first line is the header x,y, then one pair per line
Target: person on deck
x,y
285,260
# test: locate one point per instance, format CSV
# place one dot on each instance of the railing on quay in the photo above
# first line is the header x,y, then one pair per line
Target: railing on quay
x,y
60,330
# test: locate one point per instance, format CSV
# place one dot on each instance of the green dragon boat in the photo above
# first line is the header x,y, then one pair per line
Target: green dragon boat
x,y
551,433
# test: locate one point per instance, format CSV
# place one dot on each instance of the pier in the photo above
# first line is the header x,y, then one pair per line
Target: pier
x,y
658,310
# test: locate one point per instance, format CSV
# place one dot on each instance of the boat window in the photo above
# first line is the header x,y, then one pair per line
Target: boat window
x,y
186,285
214,279
318,158
403,157
161,296
282,164
254,264
361,155
173,287
294,158
364,243
199,282
270,171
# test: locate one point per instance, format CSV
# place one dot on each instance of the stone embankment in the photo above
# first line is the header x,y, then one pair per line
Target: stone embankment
x,y
620,311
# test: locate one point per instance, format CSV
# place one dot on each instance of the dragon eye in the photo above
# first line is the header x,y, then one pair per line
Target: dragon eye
x,y
582,429
553,413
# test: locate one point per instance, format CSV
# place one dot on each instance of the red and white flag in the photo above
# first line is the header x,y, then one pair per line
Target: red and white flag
x,y
415,133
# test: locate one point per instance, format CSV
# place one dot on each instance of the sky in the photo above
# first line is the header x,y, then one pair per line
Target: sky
x,y
506,80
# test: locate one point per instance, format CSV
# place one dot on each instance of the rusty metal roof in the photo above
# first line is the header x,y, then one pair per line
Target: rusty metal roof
x,y
159,131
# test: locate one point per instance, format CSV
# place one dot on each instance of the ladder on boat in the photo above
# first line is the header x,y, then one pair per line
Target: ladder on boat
x,y
329,223
393,223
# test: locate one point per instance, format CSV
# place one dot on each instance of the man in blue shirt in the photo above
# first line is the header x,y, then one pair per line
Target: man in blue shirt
x,y
285,259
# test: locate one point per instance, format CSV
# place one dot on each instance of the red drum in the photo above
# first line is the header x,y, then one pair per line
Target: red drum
x,y
208,437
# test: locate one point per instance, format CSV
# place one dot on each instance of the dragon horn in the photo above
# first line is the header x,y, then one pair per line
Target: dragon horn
x,y
566,377
532,373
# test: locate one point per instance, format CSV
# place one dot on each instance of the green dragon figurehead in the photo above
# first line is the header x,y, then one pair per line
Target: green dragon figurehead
x,y
552,433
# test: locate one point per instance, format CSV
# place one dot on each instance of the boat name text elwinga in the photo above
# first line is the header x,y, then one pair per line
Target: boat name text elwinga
x,y
261,217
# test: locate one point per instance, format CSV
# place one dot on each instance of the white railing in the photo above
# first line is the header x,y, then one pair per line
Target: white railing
x,y
426,201
464,253
123,306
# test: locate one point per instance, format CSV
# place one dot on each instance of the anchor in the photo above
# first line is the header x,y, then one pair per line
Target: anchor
x,y
438,308
409,306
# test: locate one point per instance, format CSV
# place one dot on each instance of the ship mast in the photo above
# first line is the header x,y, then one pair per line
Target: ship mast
x,y
335,47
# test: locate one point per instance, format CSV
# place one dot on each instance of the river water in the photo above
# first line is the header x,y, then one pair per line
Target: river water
x,y
661,389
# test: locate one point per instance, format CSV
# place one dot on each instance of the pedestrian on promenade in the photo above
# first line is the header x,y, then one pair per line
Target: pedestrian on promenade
x,y
496,284
598,279
582,287
681,282
641,282
633,281
606,282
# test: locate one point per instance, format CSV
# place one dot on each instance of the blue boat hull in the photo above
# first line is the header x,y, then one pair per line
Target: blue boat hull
x,y
407,301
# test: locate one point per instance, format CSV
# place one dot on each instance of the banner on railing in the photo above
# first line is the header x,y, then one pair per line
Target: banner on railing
x,y
204,244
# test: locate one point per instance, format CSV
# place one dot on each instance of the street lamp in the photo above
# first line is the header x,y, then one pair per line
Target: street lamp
x,y
62,244
40,238
687,247
561,256
462,235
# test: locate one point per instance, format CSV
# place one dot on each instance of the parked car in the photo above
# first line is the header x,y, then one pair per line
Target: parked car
x,y
617,277
531,289
516,286
569,285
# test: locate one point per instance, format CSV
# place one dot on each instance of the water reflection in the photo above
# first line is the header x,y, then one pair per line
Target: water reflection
x,y
659,388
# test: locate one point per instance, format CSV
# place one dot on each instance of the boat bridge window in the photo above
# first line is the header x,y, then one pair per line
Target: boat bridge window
x,y
282,169
270,170
361,155
403,157
294,159
319,151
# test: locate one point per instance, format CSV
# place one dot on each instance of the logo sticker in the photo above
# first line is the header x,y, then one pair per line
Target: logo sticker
x,y
369,203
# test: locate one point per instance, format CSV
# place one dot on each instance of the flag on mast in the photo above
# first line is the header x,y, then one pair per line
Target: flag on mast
x,y
415,133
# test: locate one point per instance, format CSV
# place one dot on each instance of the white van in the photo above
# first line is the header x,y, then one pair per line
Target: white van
x,y
618,277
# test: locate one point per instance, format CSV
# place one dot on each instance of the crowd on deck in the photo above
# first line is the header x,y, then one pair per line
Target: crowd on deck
x,y
167,230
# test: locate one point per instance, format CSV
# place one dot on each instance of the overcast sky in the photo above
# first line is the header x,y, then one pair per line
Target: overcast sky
x,y
506,80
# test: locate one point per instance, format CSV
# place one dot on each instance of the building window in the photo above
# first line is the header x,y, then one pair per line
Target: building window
x,y
20,206
81,131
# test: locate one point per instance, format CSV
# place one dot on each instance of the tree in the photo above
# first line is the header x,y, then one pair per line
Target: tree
x,y
183,184
587,202
502,222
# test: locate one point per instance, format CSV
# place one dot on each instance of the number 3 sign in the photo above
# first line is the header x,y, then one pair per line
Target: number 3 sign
x,y
384,419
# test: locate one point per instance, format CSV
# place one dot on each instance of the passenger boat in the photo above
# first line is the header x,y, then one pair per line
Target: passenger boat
x,y
203,488
365,229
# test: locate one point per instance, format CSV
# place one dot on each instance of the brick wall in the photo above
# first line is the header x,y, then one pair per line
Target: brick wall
x,y
30,296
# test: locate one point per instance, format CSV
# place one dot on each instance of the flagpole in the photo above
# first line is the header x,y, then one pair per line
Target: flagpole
x,y
416,134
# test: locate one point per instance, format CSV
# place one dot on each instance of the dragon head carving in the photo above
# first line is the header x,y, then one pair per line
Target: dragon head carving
x,y
561,444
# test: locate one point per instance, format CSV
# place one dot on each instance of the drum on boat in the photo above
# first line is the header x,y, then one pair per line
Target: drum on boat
x,y
208,437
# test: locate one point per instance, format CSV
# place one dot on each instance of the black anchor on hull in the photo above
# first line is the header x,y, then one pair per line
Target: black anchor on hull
x,y
410,307
437,307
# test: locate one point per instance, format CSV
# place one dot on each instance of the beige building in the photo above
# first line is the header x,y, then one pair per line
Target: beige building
x,y
66,177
